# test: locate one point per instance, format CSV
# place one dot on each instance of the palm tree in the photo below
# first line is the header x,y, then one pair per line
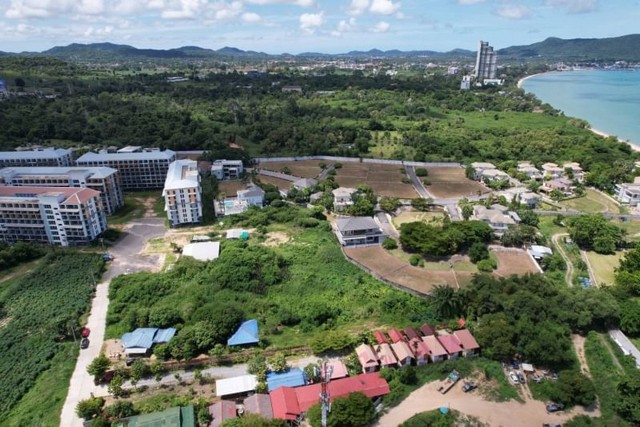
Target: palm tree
x,y
447,301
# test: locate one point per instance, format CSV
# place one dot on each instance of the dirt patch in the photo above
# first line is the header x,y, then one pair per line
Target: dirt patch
x,y
148,206
113,350
282,184
276,238
578,345
385,180
231,188
514,261
301,168
452,182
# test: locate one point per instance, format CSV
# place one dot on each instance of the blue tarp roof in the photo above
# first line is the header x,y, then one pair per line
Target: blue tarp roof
x,y
146,337
294,377
247,333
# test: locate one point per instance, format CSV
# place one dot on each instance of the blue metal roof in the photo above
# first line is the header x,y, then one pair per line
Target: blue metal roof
x,y
294,377
146,337
247,333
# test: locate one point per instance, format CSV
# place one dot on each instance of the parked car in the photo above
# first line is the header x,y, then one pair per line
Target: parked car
x,y
107,257
84,343
467,387
85,332
554,407
129,361
538,378
513,377
515,364
521,378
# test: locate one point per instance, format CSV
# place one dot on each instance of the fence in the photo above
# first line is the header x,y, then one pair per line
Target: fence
x,y
358,160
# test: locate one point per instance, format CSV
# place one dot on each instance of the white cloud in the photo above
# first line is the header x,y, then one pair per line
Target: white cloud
x,y
182,9
225,11
251,18
302,3
381,27
384,7
38,8
358,7
309,22
91,7
574,6
470,1
152,4
514,11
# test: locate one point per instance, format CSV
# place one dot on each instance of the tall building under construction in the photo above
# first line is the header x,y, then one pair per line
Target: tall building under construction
x,y
486,62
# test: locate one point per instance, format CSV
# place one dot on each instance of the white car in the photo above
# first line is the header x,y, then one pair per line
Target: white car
x,y
514,378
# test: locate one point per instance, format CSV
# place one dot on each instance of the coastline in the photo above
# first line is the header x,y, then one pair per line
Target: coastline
x,y
594,130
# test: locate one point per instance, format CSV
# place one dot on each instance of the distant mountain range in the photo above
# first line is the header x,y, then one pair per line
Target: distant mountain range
x,y
607,49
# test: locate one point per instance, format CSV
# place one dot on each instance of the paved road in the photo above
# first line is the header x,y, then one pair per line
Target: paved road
x,y
417,184
625,344
126,260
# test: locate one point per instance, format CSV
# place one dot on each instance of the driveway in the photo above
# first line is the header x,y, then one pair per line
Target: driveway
x,y
386,225
127,259
417,184
625,345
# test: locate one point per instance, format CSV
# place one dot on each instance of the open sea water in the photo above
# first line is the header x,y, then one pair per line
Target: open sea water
x,y
608,100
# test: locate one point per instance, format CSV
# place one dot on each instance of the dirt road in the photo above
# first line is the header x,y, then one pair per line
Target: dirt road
x,y
568,276
507,414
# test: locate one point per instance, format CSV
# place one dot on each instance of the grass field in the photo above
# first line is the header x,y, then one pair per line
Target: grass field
x,y
404,217
603,266
452,182
386,180
301,168
593,202
135,206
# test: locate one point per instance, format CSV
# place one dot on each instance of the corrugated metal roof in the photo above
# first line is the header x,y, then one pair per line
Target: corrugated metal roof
x,y
467,341
366,356
202,251
42,154
145,155
247,333
402,350
221,411
236,385
294,377
259,404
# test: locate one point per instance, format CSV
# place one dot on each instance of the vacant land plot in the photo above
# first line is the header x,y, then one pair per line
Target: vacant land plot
x,y
404,217
604,266
282,184
385,180
452,182
301,168
593,202
230,188
396,270
514,261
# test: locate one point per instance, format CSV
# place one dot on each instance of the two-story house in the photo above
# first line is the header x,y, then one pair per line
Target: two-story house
x,y
498,217
358,230
342,198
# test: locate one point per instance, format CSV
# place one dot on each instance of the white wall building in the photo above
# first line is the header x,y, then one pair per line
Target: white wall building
x,y
102,179
227,169
58,216
486,62
182,193
44,157
252,196
628,193
138,169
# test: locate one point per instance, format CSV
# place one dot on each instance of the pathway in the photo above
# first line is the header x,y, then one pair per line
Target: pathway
x,y
568,276
385,224
592,274
625,344
427,398
578,345
126,260
616,362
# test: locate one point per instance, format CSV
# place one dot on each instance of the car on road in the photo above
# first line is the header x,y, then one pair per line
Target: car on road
x,y
467,387
554,407
514,378
521,378
84,343
85,332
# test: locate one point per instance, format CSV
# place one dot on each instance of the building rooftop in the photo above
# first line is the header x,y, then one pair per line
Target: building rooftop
x,y
450,343
182,174
294,377
66,195
146,337
356,223
385,354
435,348
144,155
467,341
380,337
482,165
419,348
236,385
366,356
395,335
259,404
342,192
247,333
202,251
222,411
251,191
172,417
48,153
338,369
94,172
402,350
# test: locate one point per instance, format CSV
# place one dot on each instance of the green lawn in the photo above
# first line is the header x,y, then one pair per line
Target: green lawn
x,y
603,266
631,227
134,207
42,405
404,217
592,202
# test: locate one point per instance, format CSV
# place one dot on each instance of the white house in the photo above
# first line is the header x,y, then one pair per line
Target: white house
x,y
552,171
578,173
358,230
343,198
489,175
531,171
628,193
539,252
498,217
252,196
479,167
227,169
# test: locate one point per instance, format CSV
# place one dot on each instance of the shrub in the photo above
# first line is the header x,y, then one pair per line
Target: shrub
x,y
415,259
89,408
422,172
337,165
426,181
487,265
389,244
406,181
478,251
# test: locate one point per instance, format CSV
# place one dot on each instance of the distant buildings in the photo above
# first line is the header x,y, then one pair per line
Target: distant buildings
x,y
102,179
59,216
139,168
227,169
253,195
182,193
30,158
486,62
498,217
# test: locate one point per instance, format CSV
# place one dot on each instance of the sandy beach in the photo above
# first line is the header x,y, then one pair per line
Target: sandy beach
x,y
522,80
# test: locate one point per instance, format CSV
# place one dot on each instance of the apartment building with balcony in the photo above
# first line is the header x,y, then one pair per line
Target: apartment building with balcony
x,y
102,179
60,216
182,193
140,169
30,158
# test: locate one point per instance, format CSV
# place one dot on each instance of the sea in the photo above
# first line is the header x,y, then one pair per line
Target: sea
x,y
608,99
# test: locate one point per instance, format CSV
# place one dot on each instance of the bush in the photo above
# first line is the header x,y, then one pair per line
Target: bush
x,y
406,181
487,265
89,408
337,165
422,172
426,181
478,251
415,259
389,244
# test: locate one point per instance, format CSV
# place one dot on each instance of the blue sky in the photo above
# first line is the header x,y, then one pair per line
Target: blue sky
x,y
294,26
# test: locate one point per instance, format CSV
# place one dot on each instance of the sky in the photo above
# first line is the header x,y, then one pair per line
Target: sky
x,y
295,26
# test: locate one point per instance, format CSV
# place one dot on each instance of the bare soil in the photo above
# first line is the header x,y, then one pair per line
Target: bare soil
x,y
514,262
276,238
452,182
230,188
301,168
282,184
385,180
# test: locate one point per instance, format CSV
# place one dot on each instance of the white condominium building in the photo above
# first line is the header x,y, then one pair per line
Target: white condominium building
x,y
182,193
44,157
59,216
227,169
102,179
138,169
486,62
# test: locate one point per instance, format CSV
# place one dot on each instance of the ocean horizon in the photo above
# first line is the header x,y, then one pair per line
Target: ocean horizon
x,y
608,99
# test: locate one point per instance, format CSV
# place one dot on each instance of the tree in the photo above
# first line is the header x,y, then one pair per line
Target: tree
x,y
120,409
467,211
595,232
574,388
89,408
421,204
478,251
115,386
204,417
528,217
389,204
496,336
447,302
630,317
422,172
99,366
138,370
157,369
627,399
556,195
355,410
278,363
389,244
257,366
19,81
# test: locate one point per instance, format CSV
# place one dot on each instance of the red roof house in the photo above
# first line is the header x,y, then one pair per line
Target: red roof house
x,y
367,357
292,402
403,353
222,411
437,352
284,403
451,344
259,404
468,343
395,335
338,369
386,356
380,337
420,350
427,330
411,332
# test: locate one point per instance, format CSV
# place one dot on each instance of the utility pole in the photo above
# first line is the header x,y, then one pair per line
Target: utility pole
x,y
325,398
